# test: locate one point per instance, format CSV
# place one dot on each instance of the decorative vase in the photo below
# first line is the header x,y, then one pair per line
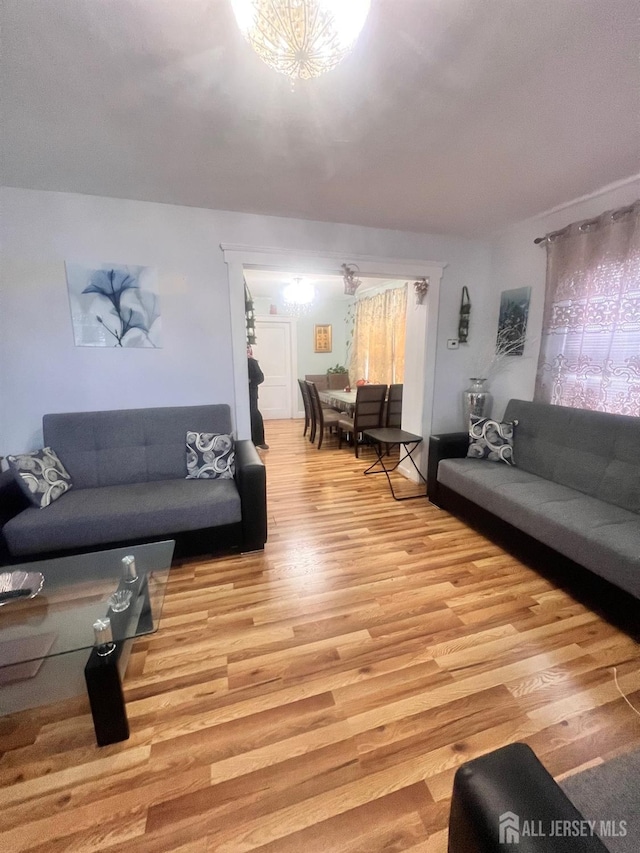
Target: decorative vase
x,y
476,400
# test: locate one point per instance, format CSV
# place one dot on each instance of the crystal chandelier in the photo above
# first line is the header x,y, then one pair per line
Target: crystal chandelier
x,y
298,297
301,38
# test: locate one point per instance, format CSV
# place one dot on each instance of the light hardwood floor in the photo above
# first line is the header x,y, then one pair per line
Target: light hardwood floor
x,y
319,696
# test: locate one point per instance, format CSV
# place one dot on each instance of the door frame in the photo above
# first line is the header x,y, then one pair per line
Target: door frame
x,y
293,355
419,413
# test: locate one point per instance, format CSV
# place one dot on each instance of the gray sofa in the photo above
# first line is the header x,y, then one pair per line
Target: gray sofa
x,y
128,470
575,487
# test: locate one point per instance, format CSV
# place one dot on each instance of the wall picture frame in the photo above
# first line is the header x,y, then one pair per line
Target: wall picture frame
x,y
512,320
322,338
114,305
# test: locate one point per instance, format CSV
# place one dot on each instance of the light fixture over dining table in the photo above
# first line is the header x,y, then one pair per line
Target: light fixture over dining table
x,y
301,38
298,296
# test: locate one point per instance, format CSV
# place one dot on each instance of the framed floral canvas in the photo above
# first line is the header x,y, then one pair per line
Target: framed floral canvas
x,y
114,305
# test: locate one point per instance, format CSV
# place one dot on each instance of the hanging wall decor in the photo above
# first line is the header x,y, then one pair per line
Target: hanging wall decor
x,y
249,315
322,338
114,305
421,288
465,312
351,278
512,321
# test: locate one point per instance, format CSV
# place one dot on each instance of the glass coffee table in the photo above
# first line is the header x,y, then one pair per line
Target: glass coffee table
x,y
89,606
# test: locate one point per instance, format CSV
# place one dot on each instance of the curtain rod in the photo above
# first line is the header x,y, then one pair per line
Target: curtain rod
x,y
587,223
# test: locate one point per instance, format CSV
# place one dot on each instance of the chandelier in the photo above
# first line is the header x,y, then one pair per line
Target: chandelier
x,y
301,38
298,297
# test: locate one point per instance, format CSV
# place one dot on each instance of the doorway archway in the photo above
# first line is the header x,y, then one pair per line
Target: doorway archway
x,y
421,322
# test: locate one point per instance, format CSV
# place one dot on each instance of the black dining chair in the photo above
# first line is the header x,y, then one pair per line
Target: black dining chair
x,y
367,413
306,402
321,380
393,417
393,409
322,418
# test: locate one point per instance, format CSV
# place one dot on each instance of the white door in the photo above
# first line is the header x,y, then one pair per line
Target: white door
x,y
274,350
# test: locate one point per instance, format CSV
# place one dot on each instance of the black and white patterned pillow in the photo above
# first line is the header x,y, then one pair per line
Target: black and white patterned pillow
x,y
210,454
491,440
40,475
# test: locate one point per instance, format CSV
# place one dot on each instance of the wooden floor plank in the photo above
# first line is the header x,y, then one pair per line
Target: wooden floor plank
x,y
320,696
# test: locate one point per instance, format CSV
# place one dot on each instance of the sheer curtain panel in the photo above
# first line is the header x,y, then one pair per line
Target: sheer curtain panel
x,y
590,350
377,353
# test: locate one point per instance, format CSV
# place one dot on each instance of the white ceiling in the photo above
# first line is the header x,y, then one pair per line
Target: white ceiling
x,y
451,116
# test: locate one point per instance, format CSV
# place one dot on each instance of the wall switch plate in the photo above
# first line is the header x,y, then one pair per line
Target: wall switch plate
x,y
452,343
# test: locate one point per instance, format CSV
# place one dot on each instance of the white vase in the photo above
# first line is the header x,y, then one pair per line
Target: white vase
x,y
476,400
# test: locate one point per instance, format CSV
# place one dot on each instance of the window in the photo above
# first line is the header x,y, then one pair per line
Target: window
x,y
590,351
379,337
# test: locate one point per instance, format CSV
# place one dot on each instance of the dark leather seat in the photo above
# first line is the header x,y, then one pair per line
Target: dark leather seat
x,y
495,794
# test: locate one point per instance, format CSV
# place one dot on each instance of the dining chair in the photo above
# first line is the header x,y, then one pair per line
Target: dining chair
x,y
322,418
367,413
393,410
306,402
321,380
393,417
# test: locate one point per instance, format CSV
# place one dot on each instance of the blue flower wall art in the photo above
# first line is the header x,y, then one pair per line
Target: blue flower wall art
x,y
114,305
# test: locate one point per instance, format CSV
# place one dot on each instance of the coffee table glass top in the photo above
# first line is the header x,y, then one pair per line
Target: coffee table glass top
x,y
75,593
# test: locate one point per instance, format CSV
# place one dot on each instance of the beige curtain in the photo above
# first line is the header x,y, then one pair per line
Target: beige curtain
x,y
590,350
377,353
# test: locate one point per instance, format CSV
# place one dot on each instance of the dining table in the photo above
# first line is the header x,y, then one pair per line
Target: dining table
x,y
344,401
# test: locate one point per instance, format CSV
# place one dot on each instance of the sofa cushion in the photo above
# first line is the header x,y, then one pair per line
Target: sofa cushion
x,y
210,456
130,445
600,536
89,517
41,476
594,452
492,440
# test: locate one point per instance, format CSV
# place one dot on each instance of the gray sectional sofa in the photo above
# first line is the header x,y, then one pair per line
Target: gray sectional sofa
x,y
575,485
128,473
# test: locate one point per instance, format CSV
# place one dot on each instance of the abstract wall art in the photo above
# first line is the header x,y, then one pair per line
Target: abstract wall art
x,y
114,305
512,320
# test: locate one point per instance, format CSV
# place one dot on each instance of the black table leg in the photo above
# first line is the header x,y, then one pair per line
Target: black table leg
x,y
106,697
384,470
102,672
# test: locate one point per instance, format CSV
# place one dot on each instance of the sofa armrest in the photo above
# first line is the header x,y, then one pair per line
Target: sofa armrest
x,y
449,445
495,794
12,502
251,480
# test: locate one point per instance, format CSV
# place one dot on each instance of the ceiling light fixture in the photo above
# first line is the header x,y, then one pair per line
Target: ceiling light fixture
x,y
301,38
298,296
